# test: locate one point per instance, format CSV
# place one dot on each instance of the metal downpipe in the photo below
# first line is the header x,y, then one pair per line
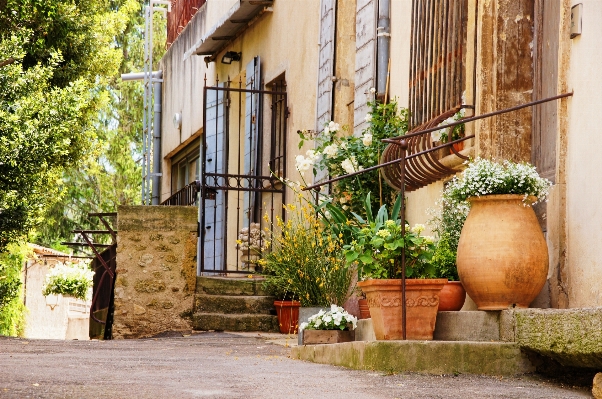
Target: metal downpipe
x,y
156,174
383,43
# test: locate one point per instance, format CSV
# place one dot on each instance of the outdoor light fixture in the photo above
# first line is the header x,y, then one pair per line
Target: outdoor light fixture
x,y
231,56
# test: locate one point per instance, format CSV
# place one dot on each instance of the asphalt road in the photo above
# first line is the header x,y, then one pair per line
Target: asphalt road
x,y
222,365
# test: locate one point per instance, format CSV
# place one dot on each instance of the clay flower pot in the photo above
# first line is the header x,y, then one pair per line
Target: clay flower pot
x,y
502,254
364,308
288,316
422,302
452,297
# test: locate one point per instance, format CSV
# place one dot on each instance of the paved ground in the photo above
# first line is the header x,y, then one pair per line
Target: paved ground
x,y
221,365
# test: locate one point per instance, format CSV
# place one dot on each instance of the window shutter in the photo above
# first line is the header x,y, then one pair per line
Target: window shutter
x,y
252,115
365,59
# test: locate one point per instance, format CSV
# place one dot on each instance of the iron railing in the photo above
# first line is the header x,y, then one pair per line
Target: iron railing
x,y
186,196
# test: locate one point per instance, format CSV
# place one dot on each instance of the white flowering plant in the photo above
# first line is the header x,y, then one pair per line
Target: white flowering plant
x,y
334,319
486,177
339,152
378,243
69,278
450,133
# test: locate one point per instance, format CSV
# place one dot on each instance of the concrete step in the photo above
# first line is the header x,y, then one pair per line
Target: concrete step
x,y
230,286
228,304
429,357
235,322
469,326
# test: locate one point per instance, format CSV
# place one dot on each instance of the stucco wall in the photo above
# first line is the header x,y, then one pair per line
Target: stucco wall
x,y
584,187
156,270
55,316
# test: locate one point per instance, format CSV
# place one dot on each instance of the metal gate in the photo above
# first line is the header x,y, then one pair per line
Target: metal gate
x,y
243,159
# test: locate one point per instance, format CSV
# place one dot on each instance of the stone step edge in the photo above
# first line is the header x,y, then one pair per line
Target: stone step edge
x,y
231,315
242,297
427,357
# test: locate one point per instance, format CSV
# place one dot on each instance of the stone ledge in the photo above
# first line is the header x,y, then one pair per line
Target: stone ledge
x,y
429,357
230,286
572,337
235,322
230,304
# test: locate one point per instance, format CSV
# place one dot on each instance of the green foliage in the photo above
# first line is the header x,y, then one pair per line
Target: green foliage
x,y
379,241
444,259
12,318
306,262
68,278
340,153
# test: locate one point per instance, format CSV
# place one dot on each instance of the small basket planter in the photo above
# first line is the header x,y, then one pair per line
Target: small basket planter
x,y
317,337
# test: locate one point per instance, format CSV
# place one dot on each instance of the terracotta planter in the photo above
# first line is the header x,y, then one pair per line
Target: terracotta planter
x,y
288,316
502,254
422,302
452,297
458,146
315,337
364,309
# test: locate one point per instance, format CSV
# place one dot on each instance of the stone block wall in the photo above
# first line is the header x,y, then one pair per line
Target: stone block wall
x,y
156,270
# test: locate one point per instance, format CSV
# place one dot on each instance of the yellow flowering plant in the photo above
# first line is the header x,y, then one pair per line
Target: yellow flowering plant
x,y
306,262
378,243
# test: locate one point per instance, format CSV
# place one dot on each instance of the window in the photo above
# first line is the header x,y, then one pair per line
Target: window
x,y
185,167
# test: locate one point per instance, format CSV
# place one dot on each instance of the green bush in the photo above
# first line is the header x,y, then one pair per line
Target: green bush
x,y
68,278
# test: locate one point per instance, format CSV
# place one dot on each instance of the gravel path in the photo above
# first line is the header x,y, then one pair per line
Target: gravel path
x,y
222,365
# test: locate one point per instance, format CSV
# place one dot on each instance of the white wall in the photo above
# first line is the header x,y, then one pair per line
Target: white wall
x,y
584,163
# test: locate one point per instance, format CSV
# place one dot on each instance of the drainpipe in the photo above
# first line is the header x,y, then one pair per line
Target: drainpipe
x,y
157,78
156,176
383,40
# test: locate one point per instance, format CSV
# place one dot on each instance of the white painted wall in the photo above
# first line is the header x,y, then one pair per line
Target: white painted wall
x,y
584,163
52,317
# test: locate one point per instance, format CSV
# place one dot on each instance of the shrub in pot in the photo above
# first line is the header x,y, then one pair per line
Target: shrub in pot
x,y
306,261
69,279
377,250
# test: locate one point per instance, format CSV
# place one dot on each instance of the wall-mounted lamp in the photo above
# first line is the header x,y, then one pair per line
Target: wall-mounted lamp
x,y
231,56
177,120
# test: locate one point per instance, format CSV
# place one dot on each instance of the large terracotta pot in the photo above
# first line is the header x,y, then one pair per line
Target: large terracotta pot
x,y
452,297
288,316
502,254
384,300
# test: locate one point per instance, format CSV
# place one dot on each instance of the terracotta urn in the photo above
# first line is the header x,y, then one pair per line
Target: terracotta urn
x,y
502,253
384,301
452,297
288,316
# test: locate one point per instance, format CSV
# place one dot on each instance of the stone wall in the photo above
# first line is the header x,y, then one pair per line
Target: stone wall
x,y
156,270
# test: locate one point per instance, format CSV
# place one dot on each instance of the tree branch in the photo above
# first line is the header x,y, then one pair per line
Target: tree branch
x,y
7,62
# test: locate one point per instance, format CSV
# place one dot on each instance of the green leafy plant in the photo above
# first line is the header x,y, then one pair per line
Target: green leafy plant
x,y
334,319
379,242
306,262
450,133
68,278
339,153
444,259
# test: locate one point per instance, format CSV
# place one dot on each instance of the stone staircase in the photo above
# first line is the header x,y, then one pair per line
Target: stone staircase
x,y
233,304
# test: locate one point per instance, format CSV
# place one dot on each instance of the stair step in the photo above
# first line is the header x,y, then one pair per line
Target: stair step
x,y
235,322
229,304
230,286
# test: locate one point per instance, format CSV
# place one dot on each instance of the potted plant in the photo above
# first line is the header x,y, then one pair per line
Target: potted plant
x,y
376,249
306,263
69,279
330,327
453,294
451,133
502,254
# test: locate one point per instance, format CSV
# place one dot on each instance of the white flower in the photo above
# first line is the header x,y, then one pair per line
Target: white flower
x,y
344,145
368,117
333,126
327,214
367,139
345,207
313,156
303,326
302,163
326,131
349,165
436,135
331,150
372,90
343,200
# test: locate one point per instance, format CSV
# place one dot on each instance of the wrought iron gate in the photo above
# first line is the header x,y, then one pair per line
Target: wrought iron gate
x,y
242,161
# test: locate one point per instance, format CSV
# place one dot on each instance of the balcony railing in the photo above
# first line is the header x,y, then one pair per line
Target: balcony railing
x,y
185,196
181,13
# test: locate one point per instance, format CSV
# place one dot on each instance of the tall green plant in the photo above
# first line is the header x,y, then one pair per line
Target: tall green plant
x,y
12,310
